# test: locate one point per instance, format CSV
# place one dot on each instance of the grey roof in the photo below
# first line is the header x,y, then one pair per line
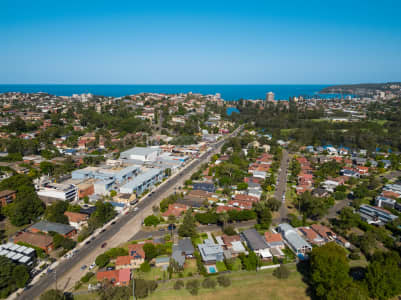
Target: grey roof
x,y
186,246
177,255
141,178
139,151
292,237
45,226
254,240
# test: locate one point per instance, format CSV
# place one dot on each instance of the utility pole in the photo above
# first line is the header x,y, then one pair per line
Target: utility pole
x,y
133,285
55,275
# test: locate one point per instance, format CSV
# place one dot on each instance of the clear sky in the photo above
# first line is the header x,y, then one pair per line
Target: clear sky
x,y
200,42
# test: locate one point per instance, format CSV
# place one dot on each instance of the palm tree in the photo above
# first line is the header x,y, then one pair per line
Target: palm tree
x,y
223,218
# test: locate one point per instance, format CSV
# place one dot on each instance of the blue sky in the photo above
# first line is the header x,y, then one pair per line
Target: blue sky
x,y
200,42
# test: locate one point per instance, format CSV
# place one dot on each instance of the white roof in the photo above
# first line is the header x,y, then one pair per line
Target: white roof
x,y
265,253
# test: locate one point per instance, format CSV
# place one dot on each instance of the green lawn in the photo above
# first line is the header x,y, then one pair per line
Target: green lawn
x,y
260,285
221,266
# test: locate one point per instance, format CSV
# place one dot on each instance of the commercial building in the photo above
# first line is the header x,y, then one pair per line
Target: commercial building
x,y
141,153
142,182
375,215
51,192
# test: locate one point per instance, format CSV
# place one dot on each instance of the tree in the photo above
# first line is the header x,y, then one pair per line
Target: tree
x,y
250,262
229,230
151,220
193,286
264,215
224,281
329,271
383,275
55,212
145,267
209,283
144,287
102,260
274,204
281,272
52,295
348,218
179,284
188,227
150,251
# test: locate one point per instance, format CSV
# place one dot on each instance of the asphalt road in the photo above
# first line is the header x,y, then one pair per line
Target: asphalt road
x,y
33,292
143,234
281,187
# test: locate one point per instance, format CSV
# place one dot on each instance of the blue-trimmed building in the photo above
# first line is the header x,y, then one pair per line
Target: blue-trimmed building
x,y
117,175
142,182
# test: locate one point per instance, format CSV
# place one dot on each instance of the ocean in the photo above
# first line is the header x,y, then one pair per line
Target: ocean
x,y
228,92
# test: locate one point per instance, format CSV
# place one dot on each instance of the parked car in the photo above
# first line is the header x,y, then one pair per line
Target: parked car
x,y
110,268
171,227
104,245
83,267
92,266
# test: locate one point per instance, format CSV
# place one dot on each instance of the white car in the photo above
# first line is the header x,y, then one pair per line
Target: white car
x,y
136,208
92,266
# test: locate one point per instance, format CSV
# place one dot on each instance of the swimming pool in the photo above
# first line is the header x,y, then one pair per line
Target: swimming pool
x,y
212,269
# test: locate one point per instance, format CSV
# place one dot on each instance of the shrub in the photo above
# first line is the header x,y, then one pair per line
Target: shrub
x,y
224,281
193,286
102,260
178,284
229,230
145,267
354,256
209,283
281,272
87,277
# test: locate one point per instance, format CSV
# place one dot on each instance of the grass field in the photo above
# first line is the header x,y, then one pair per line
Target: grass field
x,y
254,285
244,285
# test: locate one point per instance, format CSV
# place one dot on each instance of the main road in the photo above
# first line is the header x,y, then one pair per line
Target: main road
x,y
69,271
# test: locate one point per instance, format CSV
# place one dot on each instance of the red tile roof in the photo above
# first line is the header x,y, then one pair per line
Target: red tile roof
x,y
123,260
271,237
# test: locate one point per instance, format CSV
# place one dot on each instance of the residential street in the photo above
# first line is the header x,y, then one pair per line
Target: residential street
x,y
69,271
144,234
281,187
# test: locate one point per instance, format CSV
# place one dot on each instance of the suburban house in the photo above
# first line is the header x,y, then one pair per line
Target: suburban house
x,y
274,240
137,254
175,209
7,196
210,251
42,241
46,227
120,277
257,243
186,247
293,239
127,261
77,220
326,233
232,244
311,236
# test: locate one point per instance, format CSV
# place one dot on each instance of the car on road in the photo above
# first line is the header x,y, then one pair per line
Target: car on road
x,y
83,267
92,266
103,230
171,227
49,270
93,238
104,245
162,229
87,242
126,213
136,208
114,222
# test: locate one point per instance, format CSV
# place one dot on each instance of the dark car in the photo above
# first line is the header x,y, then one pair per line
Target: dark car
x,y
114,222
87,242
104,245
171,227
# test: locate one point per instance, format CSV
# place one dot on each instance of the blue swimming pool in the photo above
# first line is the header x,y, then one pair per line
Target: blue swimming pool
x,y
212,269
